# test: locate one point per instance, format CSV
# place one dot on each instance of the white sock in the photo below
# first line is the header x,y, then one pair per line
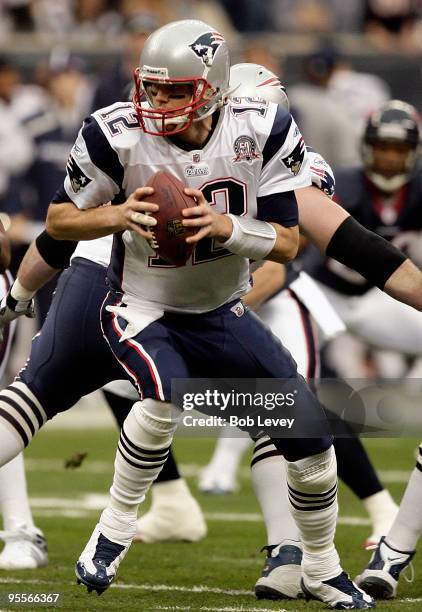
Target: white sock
x,y
14,503
270,485
380,507
11,443
228,452
143,447
21,416
176,489
312,487
407,527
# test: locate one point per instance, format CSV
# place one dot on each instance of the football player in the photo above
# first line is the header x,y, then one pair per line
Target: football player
x,y
157,331
394,279
384,195
25,545
292,315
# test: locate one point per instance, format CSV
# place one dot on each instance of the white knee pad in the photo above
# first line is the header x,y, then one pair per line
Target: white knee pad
x,y
313,474
151,423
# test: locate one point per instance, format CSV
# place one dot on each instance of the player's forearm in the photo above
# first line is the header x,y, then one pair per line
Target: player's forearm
x,y
267,281
319,216
405,285
33,271
67,222
286,244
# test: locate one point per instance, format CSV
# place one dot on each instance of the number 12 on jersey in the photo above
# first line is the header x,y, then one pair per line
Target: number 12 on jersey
x,y
231,197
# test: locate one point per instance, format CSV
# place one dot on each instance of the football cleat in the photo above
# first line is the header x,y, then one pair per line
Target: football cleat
x,y
339,593
97,566
381,576
282,572
25,548
174,516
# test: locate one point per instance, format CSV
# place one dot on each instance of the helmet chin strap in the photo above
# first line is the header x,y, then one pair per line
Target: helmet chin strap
x,y
388,185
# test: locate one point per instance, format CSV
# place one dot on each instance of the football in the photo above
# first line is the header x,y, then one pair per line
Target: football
x,y
170,234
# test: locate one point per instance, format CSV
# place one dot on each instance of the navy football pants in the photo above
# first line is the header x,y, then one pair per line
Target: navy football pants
x,y
219,344
69,356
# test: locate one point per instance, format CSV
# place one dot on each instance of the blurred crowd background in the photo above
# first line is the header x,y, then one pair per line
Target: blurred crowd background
x,y
59,60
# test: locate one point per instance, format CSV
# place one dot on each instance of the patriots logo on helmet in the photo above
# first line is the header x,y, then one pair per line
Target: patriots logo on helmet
x,y
206,45
78,179
294,160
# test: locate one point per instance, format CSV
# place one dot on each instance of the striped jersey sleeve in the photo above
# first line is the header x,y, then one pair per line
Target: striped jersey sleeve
x,y
94,173
286,164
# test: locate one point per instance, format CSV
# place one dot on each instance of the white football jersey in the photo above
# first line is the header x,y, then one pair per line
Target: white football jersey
x,y
256,150
98,250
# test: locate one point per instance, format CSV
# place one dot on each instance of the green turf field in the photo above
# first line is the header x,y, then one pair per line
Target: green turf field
x,y
217,574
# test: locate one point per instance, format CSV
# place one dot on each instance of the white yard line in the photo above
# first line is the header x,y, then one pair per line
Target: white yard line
x,y
188,469
86,505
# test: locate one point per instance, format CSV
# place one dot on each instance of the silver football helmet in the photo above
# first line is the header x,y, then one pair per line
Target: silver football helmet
x,y
253,80
183,52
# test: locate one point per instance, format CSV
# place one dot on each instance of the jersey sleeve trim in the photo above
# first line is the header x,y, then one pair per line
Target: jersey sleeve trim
x,y
279,208
101,153
278,135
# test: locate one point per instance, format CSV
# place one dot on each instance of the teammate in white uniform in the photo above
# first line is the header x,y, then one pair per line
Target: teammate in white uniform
x,y
25,545
288,314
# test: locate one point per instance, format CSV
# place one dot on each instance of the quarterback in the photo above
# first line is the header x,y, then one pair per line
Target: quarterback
x,y
164,323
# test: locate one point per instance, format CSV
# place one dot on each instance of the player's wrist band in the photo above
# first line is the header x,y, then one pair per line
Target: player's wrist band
x,y
250,238
366,252
18,293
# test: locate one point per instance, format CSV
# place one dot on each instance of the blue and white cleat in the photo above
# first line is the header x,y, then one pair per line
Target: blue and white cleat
x,y
381,576
282,572
97,566
339,593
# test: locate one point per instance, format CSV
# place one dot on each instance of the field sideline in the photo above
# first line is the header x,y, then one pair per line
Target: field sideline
x,y
216,574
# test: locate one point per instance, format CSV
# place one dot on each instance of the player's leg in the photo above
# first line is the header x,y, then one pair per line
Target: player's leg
x,y
355,469
68,360
249,350
25,546
174,514
396,549
145,439
282,572
289,319
219,476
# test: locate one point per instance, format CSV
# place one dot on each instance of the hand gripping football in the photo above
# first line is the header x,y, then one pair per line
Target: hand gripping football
x,y
170,235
